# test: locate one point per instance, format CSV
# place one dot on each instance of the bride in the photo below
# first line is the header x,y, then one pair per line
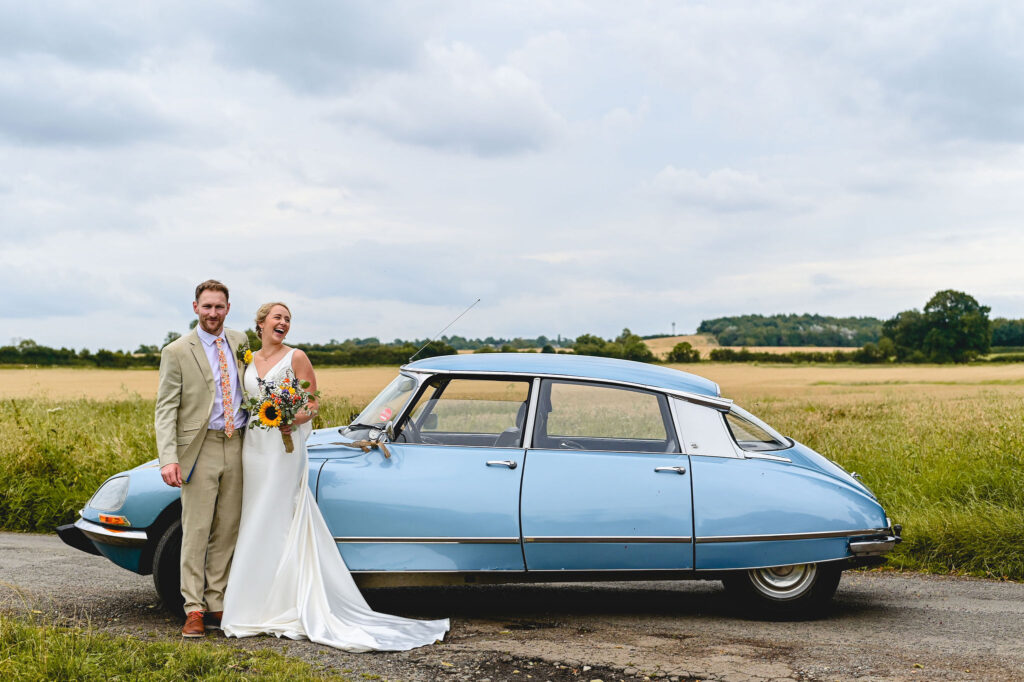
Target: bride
x,y
288,578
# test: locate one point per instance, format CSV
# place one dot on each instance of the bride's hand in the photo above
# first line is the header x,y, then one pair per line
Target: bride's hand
x,y
285,428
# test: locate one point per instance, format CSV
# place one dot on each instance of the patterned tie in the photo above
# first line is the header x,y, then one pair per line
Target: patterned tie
x,y
225,391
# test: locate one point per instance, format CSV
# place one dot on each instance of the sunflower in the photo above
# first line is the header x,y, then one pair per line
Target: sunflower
x,y
270,415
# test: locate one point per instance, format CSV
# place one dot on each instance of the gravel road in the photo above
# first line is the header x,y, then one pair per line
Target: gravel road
x,y
884,626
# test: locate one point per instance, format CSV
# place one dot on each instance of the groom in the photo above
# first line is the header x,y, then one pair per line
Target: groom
x,y
199,427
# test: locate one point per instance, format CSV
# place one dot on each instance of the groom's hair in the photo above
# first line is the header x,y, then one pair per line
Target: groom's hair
x,y
212,285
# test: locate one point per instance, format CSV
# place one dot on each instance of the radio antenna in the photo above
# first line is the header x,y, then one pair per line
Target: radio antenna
x,y
443,330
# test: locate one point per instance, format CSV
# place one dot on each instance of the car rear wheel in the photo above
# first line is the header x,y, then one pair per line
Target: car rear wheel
x,y
797,590
167,569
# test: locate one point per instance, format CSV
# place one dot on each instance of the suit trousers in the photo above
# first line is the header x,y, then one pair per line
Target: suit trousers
x,y
211,505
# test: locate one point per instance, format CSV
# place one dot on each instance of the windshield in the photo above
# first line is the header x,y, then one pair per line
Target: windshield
x,y
388,404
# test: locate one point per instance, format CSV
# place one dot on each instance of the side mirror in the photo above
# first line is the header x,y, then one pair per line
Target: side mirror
x,y
388,431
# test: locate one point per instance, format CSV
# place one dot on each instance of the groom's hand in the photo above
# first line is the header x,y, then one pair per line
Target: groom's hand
x,y
171,473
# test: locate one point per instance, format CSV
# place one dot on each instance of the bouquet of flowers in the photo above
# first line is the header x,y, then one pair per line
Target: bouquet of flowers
x,y
278,403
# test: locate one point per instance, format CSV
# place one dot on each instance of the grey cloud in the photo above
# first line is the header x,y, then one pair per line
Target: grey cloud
x,y
457,102
316,46
39,107
84,34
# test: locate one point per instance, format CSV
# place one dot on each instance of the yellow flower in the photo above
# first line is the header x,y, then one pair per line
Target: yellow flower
x,y
269,414
247,358
291,390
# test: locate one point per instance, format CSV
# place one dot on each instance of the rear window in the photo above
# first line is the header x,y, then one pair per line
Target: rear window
x,y
752,436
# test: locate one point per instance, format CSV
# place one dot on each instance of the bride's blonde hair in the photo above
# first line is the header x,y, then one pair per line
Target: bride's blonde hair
x,y
264,310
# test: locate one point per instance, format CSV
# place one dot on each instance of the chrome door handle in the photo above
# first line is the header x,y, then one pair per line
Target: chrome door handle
x,y
678,470
511,464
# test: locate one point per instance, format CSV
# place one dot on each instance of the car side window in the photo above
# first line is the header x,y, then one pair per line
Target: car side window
x,y
469,412
583,416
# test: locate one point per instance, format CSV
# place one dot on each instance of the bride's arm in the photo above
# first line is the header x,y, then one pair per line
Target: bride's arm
x,y
303,369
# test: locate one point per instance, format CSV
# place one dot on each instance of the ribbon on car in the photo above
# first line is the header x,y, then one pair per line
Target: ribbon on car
x,y
367,445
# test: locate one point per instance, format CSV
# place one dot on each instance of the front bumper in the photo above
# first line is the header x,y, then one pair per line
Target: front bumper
x,y
73,536
84,534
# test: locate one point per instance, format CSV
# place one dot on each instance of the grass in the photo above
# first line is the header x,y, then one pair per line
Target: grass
x,y
943,447
32,651
950,470
54,454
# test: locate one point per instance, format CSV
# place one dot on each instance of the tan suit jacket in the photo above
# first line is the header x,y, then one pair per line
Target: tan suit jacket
x,y
185,397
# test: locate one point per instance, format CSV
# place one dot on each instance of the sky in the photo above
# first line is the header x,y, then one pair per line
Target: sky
x,y
580,167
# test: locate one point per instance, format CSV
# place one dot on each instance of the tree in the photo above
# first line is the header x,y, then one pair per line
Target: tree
x,y
254,340
954,327
634,347
906,330
1007,332
171,336
959,328
683,352
589,344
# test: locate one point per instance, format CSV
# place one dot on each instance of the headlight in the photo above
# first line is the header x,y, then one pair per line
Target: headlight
x,y
111,495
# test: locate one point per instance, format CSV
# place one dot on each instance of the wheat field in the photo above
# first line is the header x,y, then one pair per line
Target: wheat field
x,y
942,446
740,381
705,343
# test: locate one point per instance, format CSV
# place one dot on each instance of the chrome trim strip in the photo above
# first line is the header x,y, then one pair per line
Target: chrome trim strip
x,y
438,540
747,454
723,404
790,536
111,536
531,414
438,571
603,539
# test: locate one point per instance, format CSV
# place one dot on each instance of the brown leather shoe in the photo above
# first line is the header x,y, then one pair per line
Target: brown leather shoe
x,y
194,625
212,619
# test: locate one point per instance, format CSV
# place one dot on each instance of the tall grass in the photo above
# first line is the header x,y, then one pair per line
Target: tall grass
x,y
946,463
54,454
951,470
31,651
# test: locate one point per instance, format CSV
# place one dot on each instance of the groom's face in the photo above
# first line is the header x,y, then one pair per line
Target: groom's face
x,y
212,307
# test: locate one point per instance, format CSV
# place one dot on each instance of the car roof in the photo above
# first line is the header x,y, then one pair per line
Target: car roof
x,y
570,365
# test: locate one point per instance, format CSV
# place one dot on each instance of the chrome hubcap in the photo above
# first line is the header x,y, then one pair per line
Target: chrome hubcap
x,y
784,582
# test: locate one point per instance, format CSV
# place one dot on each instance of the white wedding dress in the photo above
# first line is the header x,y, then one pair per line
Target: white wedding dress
x,y
287,577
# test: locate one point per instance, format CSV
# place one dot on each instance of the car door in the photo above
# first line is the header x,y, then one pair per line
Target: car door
x,y
753,507
606,486
447,498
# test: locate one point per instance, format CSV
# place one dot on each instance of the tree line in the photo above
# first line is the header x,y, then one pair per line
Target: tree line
x,y
952,327
792,330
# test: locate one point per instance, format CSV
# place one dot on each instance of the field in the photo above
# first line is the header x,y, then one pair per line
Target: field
x,y
706,343
943,447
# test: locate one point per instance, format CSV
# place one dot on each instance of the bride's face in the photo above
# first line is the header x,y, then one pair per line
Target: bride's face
x,y
277,324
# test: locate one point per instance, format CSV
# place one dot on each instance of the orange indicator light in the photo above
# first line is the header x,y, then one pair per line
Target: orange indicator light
x,y
114,520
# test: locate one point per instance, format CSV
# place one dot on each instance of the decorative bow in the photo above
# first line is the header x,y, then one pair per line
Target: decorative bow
x,y
367,445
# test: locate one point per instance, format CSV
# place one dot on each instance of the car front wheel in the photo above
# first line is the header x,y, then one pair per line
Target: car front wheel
x,y
797,590
167,568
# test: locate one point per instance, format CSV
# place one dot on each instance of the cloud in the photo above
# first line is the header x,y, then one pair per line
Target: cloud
x,y
724,190
455,101
49,104
318,47
86,33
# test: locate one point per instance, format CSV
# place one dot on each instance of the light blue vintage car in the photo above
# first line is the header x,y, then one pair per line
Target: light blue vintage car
x,y
538,467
